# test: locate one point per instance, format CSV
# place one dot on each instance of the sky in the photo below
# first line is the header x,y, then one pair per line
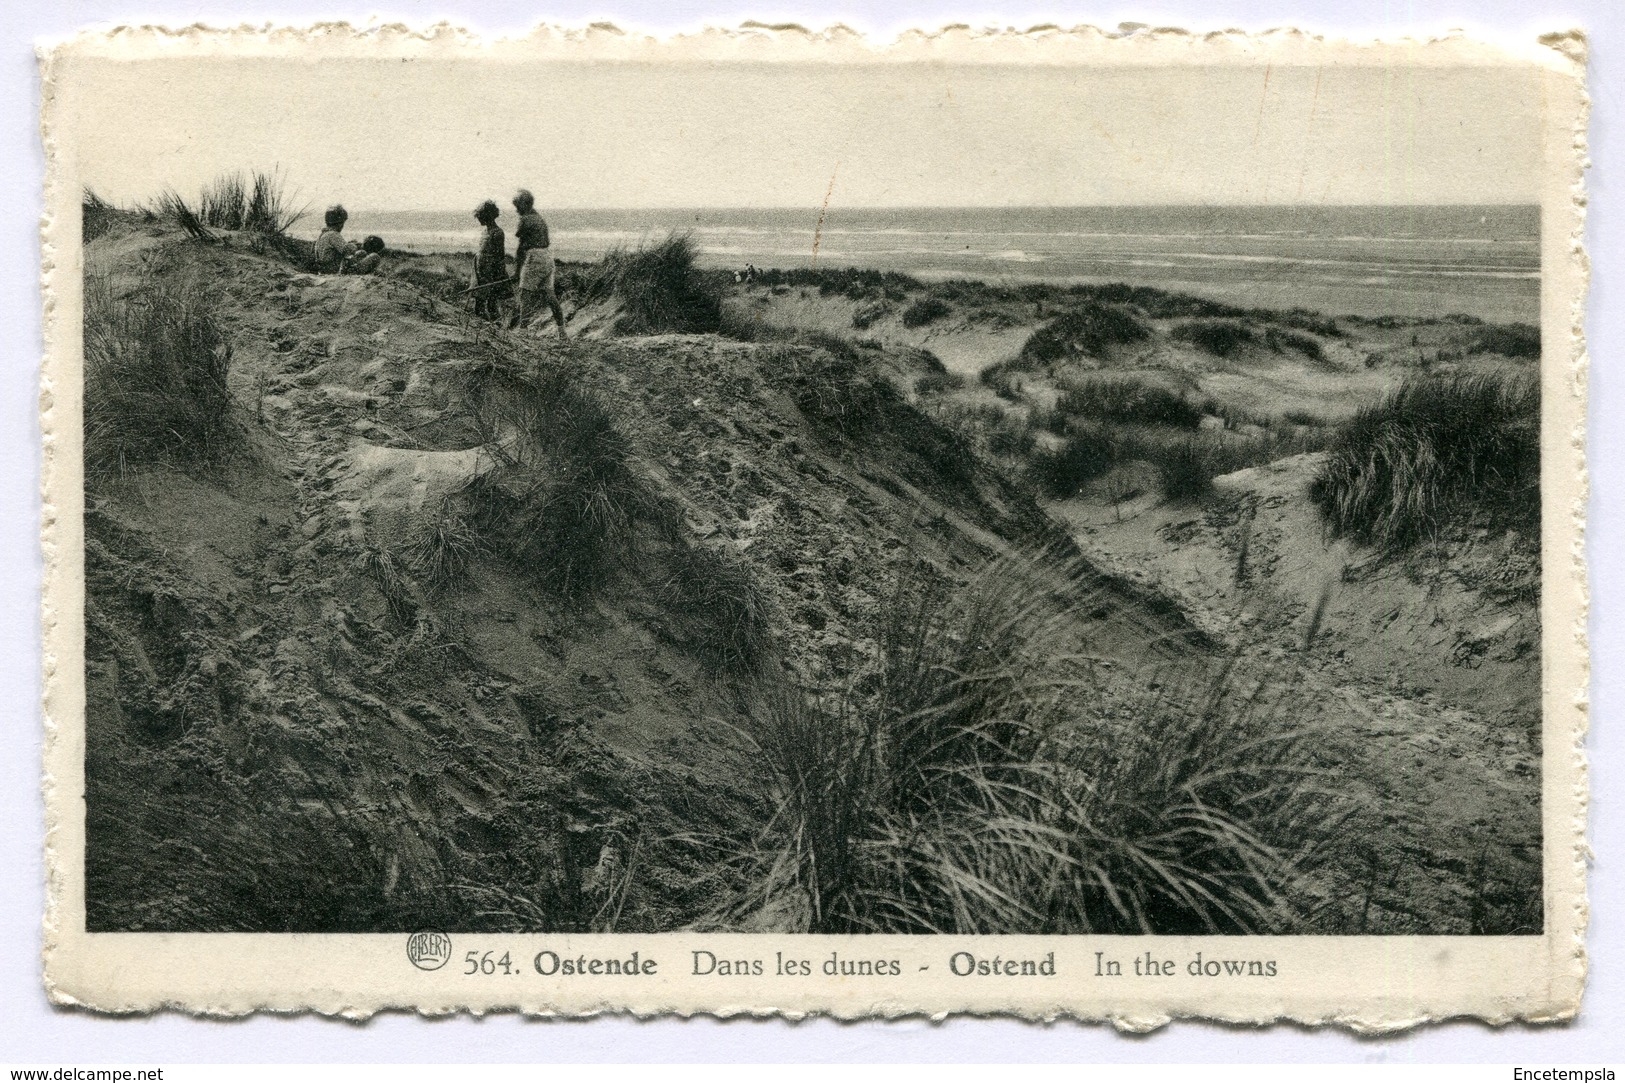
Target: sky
x,y
437,134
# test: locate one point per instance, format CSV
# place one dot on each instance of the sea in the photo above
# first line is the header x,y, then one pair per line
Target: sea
x,y
1479,261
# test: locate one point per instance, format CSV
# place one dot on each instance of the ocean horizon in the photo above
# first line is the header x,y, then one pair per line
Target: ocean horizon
x,y
1409,260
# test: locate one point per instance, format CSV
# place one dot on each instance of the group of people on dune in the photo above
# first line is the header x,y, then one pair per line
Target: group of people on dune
x,y
534,272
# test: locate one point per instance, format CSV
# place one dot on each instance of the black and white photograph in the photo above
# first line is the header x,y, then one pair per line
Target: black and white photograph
x,y
861,499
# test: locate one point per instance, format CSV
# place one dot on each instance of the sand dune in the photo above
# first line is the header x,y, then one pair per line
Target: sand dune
x,y
297,659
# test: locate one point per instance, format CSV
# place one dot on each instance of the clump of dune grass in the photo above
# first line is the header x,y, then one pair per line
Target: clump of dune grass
x,y
869,313
926,310
223,201
245,856
1186,462
97,216
1206,816
1087,330
562,502
1163,305
936,383
1135,401
270,208
659,287
722,597
170,206
389,574
1186,470
256,202
444,547
1001,431
1227,337
1005,381
857,283
1281,340
963,430
1063,471
836,388
156,363
1436,449
1221,338
831,378
982,790
1305,320
1011,433
1518,341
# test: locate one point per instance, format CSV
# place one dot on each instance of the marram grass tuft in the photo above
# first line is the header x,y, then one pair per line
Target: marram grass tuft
x,y
1436,449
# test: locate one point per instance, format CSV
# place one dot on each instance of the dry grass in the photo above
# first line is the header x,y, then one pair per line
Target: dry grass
x,y
1515,340
256,202
1224,338
170,206
156,362
857,283
1436,449
1221,338
981,791
1281,341
724,598
834,384
659,287
98,216
1086,331
445,546
1134,401
220,859
393,580
1187,468
565,506
869,313
926,310
563,501
1186,462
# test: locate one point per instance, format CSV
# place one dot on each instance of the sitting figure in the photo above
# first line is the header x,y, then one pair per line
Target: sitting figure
x,y
335,255
366,261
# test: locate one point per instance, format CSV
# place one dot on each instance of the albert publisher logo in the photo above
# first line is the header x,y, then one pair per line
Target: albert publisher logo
x,y
428,951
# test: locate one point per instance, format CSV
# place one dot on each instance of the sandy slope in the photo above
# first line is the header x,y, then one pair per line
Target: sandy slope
x,y
1439,671
240,639
1435,656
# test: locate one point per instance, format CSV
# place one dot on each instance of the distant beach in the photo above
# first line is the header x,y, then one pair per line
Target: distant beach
x,y
1407,261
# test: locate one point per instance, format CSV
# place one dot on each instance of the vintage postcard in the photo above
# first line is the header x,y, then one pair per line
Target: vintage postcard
x,y
1059,524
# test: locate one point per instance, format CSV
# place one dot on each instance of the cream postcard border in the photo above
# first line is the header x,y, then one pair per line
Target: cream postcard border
x,y
1370,983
